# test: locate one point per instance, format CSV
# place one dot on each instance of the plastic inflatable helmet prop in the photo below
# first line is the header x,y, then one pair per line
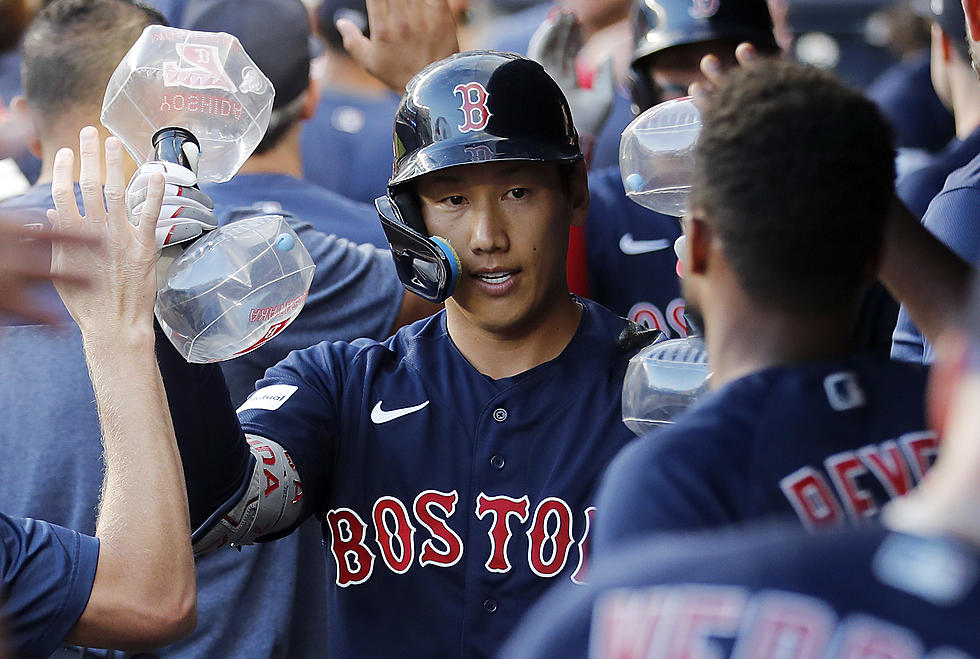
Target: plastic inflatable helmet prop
x,y
234,289
656,156
662,381
202,82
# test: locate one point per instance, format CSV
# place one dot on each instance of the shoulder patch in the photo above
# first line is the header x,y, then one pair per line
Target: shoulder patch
x,y
268,398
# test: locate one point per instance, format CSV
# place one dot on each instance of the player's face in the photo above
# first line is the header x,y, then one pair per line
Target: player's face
x,y
508,221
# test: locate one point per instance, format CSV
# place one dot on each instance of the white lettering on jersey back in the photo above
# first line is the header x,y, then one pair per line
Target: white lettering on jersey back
x,y
268,398
700,620
379,416
843,391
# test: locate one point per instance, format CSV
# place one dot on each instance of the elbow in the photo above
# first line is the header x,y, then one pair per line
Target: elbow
x,y
164,622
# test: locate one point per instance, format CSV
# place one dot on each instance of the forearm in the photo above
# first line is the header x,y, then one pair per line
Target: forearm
x,y
217,461
922,273
145,572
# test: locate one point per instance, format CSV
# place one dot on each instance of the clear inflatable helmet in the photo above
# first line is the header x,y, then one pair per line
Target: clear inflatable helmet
x,y
662,380
656,156
234,289
202,82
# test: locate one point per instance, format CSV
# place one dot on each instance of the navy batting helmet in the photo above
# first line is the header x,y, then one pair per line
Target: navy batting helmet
x,y
471,108
659,25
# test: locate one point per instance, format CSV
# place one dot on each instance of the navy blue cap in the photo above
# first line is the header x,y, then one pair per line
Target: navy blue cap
x,y
274,33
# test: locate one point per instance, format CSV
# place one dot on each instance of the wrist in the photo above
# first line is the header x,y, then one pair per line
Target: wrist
x,y
129,338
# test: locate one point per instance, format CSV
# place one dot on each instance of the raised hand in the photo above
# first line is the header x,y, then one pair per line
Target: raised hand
x,y
406,36
120,258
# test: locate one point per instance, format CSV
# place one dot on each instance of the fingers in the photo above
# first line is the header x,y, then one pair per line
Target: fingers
x,y
90,172
355,42
115,190
745,53
151,210
63,191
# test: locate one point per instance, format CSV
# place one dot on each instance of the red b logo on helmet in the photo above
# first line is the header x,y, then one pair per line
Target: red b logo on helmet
x,y
474,106
704,8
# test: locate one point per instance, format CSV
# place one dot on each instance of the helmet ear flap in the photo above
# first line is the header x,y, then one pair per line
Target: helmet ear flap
x,y
428,267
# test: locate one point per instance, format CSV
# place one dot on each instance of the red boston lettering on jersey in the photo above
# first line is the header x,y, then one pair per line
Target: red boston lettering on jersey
x,y
785,625
702,612
399,558
502,508
844,468
888,465
581,573
473,105
549,537
812,499
451,546
354,561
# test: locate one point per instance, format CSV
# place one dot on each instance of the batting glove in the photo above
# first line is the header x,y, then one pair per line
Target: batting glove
x,y
555,45
186,213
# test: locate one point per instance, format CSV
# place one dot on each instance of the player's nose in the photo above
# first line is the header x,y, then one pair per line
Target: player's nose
x,y
488,231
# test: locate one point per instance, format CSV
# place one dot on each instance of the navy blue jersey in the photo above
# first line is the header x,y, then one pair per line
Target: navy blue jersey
x,y
347,144
326,211
761,594
917,188
605,151
831,442
905,95
46,577
630,254
954,218
449,501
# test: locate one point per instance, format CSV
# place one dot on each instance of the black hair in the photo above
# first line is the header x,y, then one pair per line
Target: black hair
x,y
795,173
73,46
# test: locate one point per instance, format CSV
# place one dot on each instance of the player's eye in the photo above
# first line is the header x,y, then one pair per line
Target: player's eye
x,y
518,193
454,200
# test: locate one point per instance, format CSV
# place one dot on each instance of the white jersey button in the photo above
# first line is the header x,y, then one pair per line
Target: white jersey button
x,y
497,462
490,606
500,415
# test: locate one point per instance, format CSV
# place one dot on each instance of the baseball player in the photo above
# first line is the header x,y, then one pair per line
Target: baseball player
x,y
451,465
950,217
355,291
132,585
906,589
798,421
43,370
347,143
631,262
956,85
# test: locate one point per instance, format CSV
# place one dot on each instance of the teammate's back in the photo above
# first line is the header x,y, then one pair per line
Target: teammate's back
x,y
829,441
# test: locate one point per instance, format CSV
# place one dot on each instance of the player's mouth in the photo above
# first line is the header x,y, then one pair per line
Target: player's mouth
x,y
496,281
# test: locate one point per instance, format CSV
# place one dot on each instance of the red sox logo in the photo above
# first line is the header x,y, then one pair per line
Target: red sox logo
x,y
704,8
474,97
202,69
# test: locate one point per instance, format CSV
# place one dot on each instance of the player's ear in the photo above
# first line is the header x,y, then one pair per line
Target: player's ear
x,y
310,100
578,193
698,244
22,115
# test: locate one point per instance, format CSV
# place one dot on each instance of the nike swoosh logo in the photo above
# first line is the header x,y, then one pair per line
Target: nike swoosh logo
x,y
380,416
632,247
